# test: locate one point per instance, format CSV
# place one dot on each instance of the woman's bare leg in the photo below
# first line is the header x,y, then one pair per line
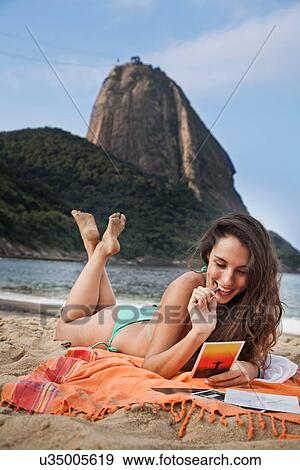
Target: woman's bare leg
x,y
83,298
77,324
90,237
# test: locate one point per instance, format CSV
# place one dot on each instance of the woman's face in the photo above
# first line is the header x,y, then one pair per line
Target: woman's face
x,y
227,268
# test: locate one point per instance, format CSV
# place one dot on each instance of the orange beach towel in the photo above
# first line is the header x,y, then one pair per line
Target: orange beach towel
x,y
98,382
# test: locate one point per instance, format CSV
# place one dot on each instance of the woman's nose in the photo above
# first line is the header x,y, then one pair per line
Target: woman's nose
x,y
227,278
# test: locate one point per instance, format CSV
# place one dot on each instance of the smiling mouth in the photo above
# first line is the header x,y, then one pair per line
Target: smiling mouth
x,y
223,292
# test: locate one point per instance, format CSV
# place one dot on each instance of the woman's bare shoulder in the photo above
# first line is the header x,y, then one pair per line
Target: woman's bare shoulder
x,y
191,279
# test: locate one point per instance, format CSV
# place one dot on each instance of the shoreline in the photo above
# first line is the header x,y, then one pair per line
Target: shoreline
x,y
139,261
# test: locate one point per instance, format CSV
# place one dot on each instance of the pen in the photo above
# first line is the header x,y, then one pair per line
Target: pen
x,y
215,289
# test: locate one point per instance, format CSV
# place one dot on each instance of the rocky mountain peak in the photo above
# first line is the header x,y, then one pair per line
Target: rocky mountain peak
x,y
142,116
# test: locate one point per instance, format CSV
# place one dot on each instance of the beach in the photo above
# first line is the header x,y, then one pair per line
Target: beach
x,y
26,339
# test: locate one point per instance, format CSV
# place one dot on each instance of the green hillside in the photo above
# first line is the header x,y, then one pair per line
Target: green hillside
x,y
44,173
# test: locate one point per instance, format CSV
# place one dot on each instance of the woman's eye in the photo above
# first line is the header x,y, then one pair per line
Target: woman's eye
x,y
242,272
221,265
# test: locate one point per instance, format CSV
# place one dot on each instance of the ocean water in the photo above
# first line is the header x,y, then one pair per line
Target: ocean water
x,y
51,280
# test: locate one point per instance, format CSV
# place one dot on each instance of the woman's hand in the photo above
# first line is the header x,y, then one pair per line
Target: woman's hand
x,y
202,309
240,374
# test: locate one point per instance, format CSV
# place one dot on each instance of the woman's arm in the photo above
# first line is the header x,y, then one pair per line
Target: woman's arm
x,y
169,362
168,351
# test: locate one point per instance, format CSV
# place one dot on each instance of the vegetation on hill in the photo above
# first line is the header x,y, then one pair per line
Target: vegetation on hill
x,y
44,173
289,256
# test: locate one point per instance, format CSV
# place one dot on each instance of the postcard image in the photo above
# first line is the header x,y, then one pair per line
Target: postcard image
x,y
210,394
215,358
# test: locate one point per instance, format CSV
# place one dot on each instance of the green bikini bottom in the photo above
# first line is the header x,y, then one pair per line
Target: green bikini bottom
x,y
126,315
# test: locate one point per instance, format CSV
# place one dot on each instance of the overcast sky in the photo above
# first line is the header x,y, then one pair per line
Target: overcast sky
x,y
206,46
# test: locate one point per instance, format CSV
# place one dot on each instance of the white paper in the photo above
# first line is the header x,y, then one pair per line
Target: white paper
x,y
267,401
279,369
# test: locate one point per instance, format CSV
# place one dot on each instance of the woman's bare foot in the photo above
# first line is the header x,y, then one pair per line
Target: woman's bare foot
x,y
88,230
115,227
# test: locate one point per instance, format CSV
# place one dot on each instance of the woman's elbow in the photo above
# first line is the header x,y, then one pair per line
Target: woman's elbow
x,y
149,364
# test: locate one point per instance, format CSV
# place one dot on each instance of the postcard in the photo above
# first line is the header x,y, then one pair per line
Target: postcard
x,y
215,358
195,392
210,394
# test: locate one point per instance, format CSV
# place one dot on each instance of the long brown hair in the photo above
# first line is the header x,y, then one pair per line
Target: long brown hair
x,y
254,314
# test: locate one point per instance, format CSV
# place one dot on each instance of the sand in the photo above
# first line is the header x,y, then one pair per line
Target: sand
x,y
27,339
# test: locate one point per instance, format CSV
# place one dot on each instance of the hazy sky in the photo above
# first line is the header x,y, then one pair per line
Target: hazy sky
x,y
204,45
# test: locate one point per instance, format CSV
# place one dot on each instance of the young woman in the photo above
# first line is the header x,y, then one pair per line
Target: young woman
x,y
237,298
